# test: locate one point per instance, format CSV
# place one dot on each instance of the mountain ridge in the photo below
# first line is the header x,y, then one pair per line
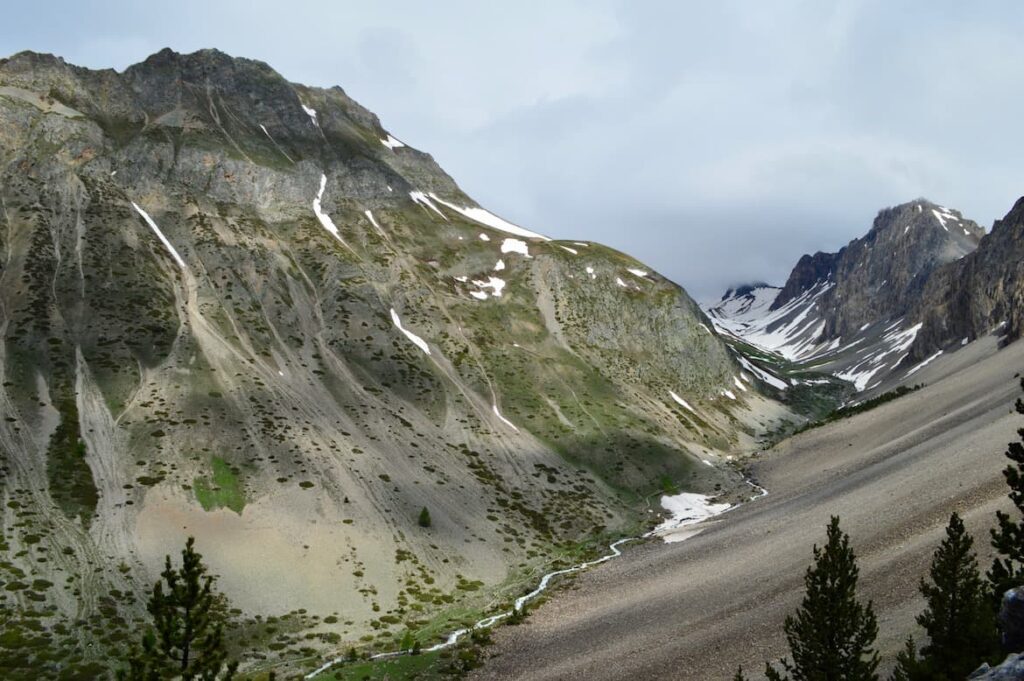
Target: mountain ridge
x,y
237,307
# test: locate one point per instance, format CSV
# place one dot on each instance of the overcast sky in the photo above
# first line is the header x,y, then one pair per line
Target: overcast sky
x,y
715,141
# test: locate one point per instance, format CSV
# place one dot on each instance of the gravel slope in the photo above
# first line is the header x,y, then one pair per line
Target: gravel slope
x,y
697,609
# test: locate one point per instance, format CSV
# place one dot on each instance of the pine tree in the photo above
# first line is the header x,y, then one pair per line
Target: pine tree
x,y
831,635
908,664
424,519
187,638
739,675
1007,569
958,618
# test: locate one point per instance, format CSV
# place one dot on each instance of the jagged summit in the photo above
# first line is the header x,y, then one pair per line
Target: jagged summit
x,y
859,296
743,289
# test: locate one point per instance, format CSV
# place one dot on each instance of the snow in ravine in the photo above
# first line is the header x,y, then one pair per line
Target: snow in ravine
x,y
485,217
765,376
424,200
681,402
571,250
369,216
503,419
323,217
515,246
392,143
311,112
687,509
160,235
419,342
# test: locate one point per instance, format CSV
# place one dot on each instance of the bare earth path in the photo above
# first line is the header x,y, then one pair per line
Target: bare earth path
x,y
697,609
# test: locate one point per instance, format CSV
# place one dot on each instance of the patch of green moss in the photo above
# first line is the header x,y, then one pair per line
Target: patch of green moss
x,y
223,491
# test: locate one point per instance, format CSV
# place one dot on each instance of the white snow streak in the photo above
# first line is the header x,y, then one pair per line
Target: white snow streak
x,y
681,402
392,143
424,200
323,217
369,216
420,343
311,112
160,235
503,419
639,273
485,217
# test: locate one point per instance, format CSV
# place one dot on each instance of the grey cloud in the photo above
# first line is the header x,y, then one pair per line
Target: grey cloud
x,y
715,141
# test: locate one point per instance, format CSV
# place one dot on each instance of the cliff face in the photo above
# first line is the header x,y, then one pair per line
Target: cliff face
x,y
237,307
967,298
880,275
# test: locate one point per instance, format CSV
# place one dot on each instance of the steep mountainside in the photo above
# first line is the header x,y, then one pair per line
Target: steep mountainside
x,y
858,313
237,307
968,298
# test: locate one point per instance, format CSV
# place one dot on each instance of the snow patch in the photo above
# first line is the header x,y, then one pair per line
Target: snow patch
x,y
681,402
514,246
160,235
373,221
687,508
571,250
323,217
485,217
639,273
311,112
392,143
420,343
484,237
503,419
494,283
424,200
499,266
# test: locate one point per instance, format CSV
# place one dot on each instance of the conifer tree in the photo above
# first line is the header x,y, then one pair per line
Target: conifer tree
x,y
1007,569
186,640
424,519
831,635
958,618
908,664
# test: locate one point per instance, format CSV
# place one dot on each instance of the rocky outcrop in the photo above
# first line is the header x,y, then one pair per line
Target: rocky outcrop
x,y
1011,619
809,272
969,297
1011,669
